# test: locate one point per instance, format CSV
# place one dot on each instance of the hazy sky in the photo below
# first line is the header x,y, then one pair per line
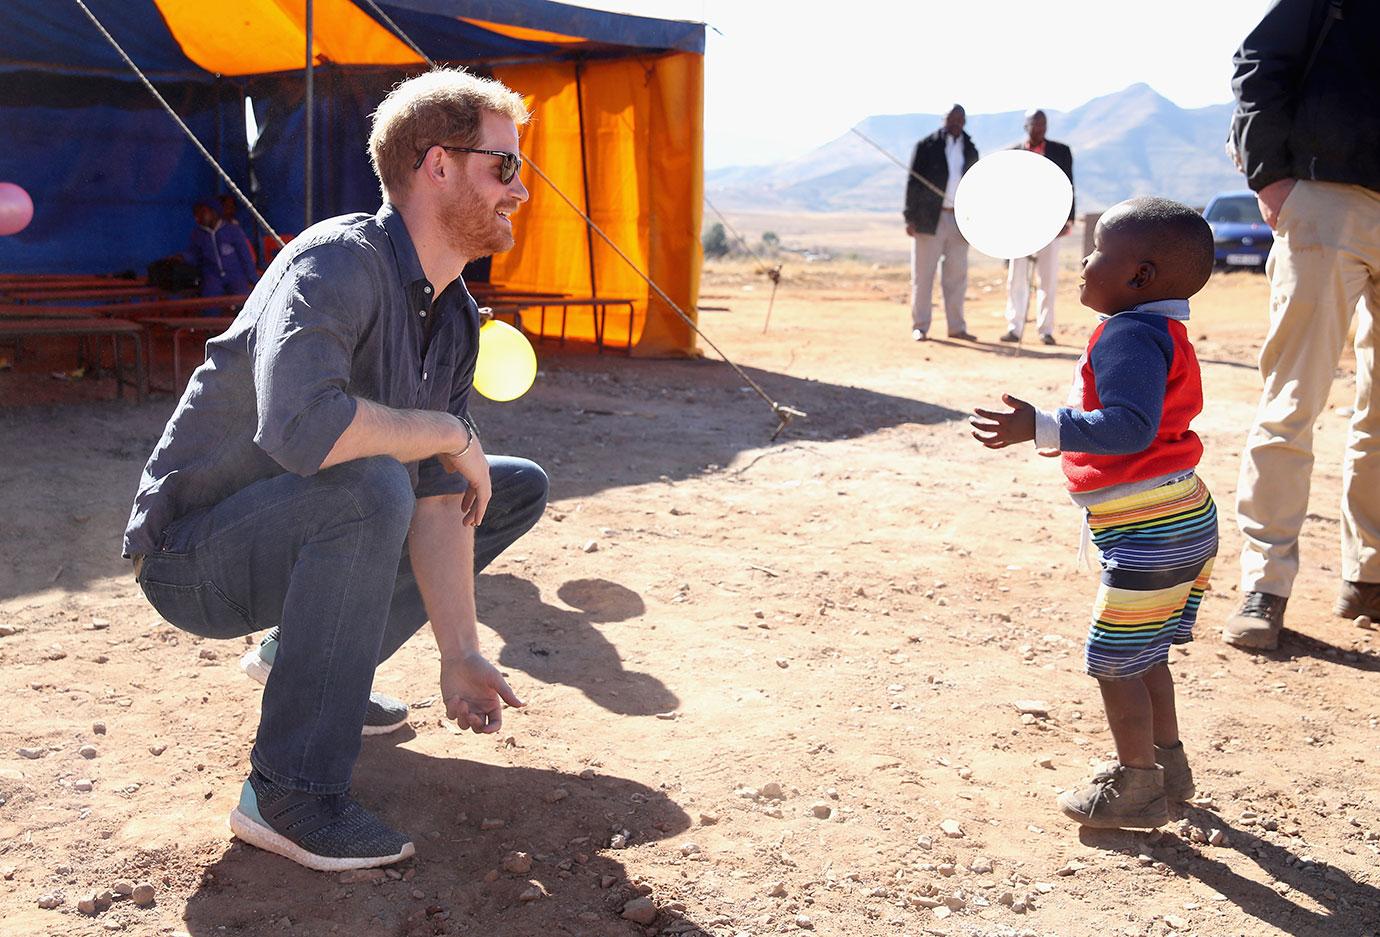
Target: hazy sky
x,y
782,78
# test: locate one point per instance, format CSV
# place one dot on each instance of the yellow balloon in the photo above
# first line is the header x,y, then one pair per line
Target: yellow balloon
x,y
507,365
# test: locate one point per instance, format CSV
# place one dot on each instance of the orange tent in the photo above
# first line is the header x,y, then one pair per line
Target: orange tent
x,y
617,103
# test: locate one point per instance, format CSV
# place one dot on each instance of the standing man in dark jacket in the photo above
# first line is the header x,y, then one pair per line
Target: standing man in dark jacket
x,y
940,160
1307,134
1047,258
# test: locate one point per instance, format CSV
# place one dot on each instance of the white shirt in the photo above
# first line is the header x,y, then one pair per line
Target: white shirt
x,y
953,152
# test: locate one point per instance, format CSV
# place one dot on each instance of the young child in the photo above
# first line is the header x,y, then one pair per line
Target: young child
x,y
1129,455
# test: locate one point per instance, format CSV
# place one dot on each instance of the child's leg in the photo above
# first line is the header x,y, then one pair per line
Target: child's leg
x,y
1159,683
1131,719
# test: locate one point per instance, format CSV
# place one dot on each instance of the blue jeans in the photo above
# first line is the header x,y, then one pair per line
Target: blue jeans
x,y
324,557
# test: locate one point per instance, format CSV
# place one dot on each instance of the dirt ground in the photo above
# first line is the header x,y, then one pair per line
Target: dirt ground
x,y
762,675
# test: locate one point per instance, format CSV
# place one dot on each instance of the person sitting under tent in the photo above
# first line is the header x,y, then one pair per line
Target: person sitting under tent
x,y
221,254
322,477
229,211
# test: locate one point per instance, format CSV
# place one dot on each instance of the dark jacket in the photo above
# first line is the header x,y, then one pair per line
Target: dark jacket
x,y
1060,155
922,205
1324,125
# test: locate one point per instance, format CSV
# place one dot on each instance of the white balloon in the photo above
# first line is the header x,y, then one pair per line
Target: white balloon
x,y
1012,203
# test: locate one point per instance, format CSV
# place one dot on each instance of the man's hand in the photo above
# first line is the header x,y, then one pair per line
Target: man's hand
x,y
474,693
1271,199
475,468
999,430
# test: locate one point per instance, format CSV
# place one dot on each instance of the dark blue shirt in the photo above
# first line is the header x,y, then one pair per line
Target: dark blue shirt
x,y
343,312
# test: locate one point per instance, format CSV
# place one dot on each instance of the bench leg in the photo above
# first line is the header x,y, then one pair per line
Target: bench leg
x,y
118,367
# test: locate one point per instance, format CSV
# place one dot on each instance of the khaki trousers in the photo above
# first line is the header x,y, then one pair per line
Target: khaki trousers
x,y
948,249
1018,290
1324,267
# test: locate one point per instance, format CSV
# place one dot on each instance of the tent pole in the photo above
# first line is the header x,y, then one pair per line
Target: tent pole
x,y
584,171
311,109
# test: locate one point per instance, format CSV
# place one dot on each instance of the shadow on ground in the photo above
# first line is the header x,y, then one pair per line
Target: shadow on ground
x,y
456,884
1348,906
561,645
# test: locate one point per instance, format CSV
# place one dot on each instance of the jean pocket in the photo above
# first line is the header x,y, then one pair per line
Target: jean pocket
x,y
202,609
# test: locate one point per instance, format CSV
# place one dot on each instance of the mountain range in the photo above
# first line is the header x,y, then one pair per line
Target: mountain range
x,y
1132,142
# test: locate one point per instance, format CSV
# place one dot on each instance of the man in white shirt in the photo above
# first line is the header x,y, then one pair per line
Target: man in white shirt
x,y
940,161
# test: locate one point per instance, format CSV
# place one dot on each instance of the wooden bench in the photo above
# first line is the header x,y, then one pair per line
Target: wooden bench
x,y
90,327
135,309
113,293
182,326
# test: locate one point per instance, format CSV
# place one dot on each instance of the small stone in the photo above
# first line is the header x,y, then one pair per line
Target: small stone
x,y
607,881
640,911
532,892
491,876
1069,868
156,750
49,902
1033,707
100,624
519,863
965,773
98,728
782,663
803,922
689,849
491,823
361,876
5,632
1045,761
87,905
980,864
591,546
946,869
1217,838
924,901
32,752
942,911
208,654
87,751
708,819
618,841
122,889
587,774
104,900
822,810
84,785
951,829
1027,719
776,890
556,796
772,791
1174,921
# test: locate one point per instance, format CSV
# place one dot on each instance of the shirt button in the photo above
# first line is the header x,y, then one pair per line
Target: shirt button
x,y
424,374
426,289
422,313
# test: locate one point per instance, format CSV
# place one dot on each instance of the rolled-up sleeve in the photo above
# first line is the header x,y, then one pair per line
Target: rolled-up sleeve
x,y
301,350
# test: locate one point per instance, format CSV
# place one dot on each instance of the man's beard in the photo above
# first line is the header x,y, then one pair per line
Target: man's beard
x,y
472,227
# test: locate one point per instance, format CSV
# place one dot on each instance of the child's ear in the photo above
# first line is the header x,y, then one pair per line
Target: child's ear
x,y
1144,275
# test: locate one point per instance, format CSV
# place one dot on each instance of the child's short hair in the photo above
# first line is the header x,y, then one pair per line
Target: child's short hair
x,y
1172,234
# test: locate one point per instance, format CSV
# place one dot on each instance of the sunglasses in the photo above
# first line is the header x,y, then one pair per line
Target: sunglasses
x,y
506,170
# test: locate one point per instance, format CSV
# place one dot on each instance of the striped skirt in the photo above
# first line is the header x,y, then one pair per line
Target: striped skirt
x,y
1157,550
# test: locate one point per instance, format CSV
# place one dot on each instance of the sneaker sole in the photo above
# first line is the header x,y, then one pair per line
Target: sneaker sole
x,y
254,667
385,729
256,834
1266,642
1132,823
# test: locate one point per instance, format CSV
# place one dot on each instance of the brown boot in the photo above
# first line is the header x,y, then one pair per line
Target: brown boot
x,y
1178,776
1258,622
1357,599
1119,798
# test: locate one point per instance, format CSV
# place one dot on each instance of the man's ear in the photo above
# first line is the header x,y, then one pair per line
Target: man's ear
x,y
1144,275
434,166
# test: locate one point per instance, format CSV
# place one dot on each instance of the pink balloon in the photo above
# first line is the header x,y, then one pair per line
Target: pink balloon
x,y
16,208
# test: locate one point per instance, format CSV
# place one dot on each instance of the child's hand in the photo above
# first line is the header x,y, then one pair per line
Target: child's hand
x,y
999,430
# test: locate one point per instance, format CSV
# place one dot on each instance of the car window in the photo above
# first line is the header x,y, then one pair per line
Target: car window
x,y
1237,208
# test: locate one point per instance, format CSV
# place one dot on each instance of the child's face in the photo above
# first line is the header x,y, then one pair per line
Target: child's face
x,y
1112,273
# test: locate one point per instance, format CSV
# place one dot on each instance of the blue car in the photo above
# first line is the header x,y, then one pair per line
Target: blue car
x,y
1240,236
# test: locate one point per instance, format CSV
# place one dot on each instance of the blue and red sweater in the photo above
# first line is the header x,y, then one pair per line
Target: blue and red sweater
x,y
1135,392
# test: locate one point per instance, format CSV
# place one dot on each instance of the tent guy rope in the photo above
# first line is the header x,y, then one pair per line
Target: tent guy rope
x,y
185,129
771,273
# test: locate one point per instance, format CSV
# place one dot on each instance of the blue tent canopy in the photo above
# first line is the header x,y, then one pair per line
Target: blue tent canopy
x,y
112,177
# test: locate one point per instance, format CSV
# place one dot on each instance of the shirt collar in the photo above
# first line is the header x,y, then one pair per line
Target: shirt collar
x,y
1169,308
404,251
